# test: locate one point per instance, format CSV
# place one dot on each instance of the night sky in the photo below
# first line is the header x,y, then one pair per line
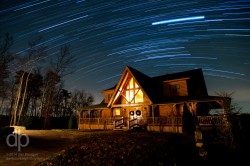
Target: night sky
x,y
155,37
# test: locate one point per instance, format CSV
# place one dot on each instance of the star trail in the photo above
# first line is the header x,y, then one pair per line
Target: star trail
x,y
155,37
178,20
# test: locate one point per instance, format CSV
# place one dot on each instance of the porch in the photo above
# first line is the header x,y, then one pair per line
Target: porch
x,y
164,124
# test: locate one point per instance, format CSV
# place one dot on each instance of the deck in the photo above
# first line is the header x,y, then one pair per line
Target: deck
x,y
204,122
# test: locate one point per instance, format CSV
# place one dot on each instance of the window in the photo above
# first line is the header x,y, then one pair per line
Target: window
x,y
175,90
133,93
117,111
109,97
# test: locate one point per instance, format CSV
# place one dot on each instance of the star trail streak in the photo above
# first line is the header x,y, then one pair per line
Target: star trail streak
x,y
65,22
155,37
179,20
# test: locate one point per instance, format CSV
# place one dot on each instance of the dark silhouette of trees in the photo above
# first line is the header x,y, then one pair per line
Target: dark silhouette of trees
x,y
52,87
80,99
5,58
49,91
230,133
33,88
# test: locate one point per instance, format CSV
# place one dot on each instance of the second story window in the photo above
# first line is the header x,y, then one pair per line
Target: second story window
x,y
174,90
109,97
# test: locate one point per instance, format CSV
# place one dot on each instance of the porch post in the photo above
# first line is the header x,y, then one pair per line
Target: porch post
x,y
79,118
89,119
192,110
153,115
172,112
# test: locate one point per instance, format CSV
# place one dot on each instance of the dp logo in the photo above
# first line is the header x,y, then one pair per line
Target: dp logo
x,y
17,140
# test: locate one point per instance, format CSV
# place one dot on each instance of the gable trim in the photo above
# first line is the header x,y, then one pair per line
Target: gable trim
x,y
121,82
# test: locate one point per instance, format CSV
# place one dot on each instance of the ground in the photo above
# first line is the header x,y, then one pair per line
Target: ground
x,y
42,145
73,147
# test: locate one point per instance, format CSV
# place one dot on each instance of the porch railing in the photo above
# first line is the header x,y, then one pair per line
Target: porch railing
x,y
210,120
118,122
108,121
200,120
164,121
132,123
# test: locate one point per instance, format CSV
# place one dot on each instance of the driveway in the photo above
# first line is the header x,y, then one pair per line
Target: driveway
x,y
34,146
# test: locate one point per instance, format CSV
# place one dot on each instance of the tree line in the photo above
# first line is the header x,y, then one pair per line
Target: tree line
x,y
32,85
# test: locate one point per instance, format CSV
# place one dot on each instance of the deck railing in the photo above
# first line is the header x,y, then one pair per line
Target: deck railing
x,y
200,120
164,121
210,120
132,123
118,122
97,120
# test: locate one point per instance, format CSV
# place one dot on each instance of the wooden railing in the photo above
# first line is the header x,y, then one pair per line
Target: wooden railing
x,y
164,121
118,122
97,120
132,123
200,120
210,120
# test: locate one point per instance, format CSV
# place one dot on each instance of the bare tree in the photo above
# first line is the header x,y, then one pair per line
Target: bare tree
x,y
59,68
231,110
26,65
80,99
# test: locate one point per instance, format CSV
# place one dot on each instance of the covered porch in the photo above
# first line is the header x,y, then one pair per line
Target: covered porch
x,y
172,116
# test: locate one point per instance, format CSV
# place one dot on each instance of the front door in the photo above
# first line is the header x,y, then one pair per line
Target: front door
x,y
134,113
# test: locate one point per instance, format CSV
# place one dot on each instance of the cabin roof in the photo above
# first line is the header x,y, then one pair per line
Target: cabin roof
x,y
152,87
102,105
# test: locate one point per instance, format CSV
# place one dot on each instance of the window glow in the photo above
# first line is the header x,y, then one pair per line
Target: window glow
x,y
117,112
139,97
133,92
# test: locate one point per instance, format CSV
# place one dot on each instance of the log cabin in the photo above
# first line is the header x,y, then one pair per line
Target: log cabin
x,y
176,102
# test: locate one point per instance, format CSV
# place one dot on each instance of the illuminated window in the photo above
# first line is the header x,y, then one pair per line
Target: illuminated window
x,y
117,112
139,97
133,92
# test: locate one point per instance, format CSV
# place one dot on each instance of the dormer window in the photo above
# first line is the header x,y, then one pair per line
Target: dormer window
x,y
176,87
109,96
174,90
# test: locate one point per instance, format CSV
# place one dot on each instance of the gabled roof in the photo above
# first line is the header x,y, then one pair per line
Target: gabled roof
x,y
152,88
147,84
139,77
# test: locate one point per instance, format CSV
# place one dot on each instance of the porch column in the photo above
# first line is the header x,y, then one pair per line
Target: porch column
x,y
172,114
153,115
79,118
89,119
192,108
